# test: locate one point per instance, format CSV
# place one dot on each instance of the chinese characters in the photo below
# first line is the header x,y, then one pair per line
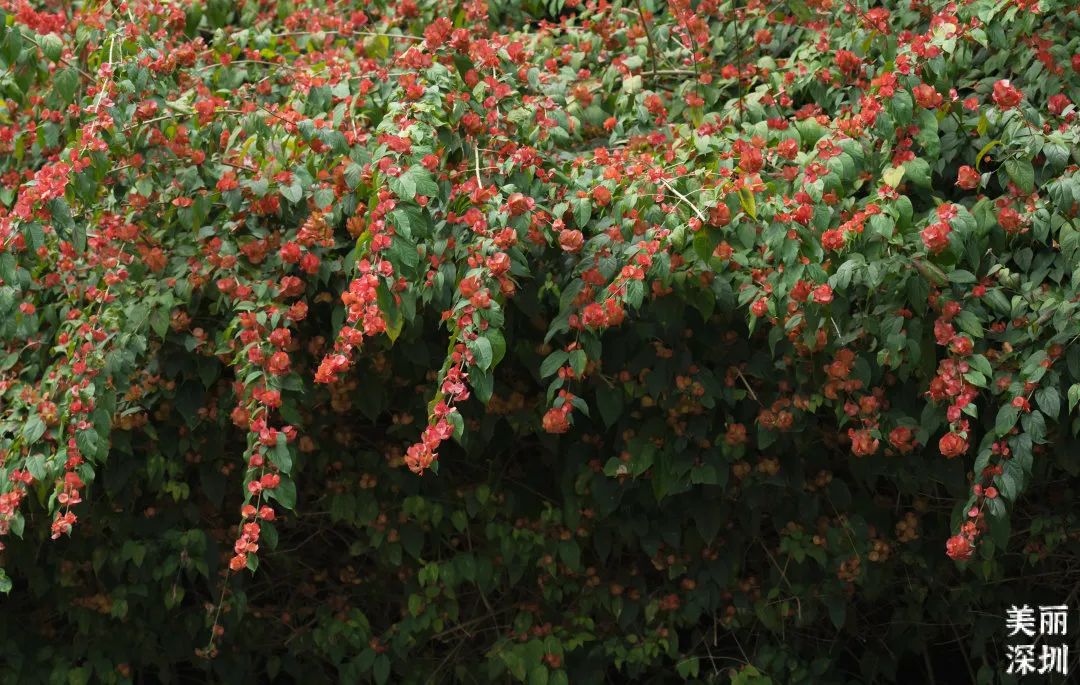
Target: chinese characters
x,y
1037,656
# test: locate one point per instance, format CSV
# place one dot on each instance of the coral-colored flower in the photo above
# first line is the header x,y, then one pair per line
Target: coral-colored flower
x,y
952,445
823,294
571,240
959,548
967,178
1006,96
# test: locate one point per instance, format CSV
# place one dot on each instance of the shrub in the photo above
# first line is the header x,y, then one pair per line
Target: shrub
x,y
546,342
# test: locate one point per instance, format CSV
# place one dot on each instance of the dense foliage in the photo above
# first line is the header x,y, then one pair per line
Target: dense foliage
x,y
545,341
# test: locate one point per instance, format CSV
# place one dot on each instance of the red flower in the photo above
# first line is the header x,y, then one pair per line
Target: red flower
x,y
961,345
555,420
823,294
280,337
847,61
1005,95
279,364
959,548
594,316
518,204
900,438
862,443
719,215
967,178
952,445
788,148
926,97
760,307
1009,219
801,291
1057,104
750,159
601,196
936,237
832,239
571,240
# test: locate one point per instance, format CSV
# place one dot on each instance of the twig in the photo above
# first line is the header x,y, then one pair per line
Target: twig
x,y
648,37
476,154
783,574
750,390
683,198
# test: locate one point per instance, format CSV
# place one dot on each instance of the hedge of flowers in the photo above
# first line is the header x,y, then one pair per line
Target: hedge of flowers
x,y
544,341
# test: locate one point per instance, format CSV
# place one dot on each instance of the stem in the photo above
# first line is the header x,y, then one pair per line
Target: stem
x,y
648,37
683,198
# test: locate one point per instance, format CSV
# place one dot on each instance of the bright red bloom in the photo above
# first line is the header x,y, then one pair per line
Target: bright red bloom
x,y
936,237
556,421
952,445
900,438
959,548
926,97
571,240
601,196
823,294
760,307
1005,95
1009,219
967,178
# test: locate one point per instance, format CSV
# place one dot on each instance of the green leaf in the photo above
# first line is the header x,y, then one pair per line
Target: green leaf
x,y
578,360
280,455
1074,396
457,422
582,212
498,345
893,176
981,364
837,606
1022,173
1011,481
35,464
293,193
748,203
1006,419
918,170
66,82
483,384
553,362
962,277
404,186
610,402
11,46
381,669
1049,401
403,252
902,107
89,443
52,46
422,181
539,673
285,493
570,554
482,353
324,197
353,174
33,429
412,540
